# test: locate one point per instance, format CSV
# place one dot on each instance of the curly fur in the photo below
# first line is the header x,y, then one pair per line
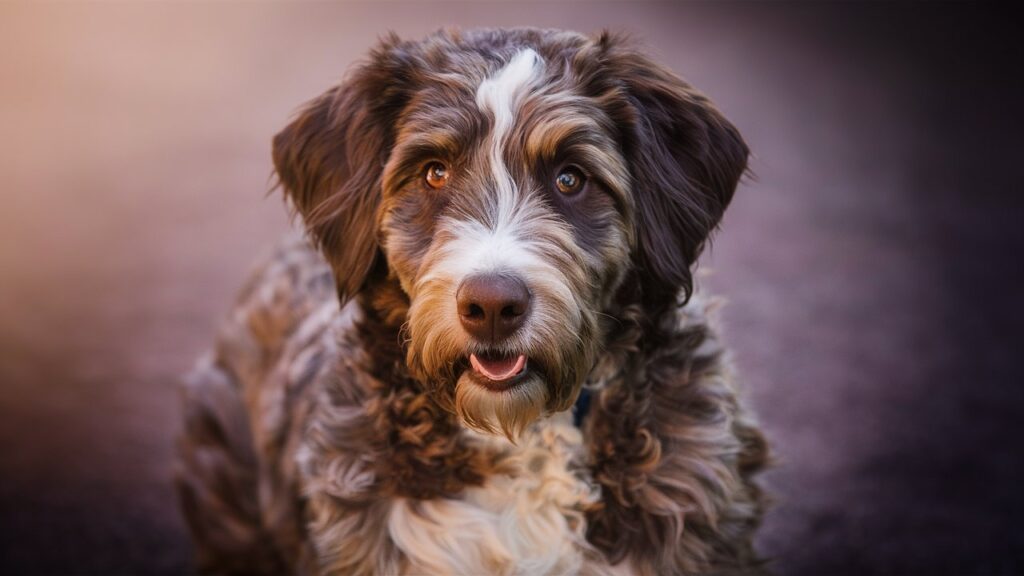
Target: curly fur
x,y
348,441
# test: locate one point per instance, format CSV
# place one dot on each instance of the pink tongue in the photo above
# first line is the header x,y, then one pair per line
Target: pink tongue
x,y
497,369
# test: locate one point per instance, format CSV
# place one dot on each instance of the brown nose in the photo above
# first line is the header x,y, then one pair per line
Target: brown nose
x,y
492,306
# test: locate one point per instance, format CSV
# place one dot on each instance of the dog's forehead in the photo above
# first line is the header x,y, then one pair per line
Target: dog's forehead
x,y
479,83
499,93
526,95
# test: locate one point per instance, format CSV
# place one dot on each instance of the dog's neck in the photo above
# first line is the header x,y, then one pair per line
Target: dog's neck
x,y
383,309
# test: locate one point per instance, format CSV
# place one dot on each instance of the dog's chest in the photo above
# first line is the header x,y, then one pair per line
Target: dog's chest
x,y
527,519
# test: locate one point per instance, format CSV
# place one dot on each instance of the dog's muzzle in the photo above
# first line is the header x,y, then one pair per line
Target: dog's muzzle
x,y
492,308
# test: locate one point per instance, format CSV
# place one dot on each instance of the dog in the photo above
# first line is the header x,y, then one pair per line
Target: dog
x,y
519,378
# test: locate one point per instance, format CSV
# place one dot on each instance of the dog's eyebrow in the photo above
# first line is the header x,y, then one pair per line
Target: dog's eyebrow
x,y
426,143
578,138
547,135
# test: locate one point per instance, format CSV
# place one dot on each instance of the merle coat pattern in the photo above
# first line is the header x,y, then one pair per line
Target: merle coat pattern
x,y
359,439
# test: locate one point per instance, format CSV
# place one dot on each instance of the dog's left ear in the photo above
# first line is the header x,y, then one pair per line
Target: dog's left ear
x,y
686,161
330,158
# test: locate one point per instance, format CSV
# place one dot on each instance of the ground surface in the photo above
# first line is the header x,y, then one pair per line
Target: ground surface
x,y
870,268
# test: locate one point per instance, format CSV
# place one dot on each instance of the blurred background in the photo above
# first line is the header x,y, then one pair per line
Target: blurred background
x,y
870,268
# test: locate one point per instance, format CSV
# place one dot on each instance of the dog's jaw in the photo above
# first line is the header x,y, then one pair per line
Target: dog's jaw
x,y
508,411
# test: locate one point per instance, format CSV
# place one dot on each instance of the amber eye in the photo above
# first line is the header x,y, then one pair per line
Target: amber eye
x,y
436,175
570,180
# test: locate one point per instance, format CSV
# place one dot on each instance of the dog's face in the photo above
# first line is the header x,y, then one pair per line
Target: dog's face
x,y
520,186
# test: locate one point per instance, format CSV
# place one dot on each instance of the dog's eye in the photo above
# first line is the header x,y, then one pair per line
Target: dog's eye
x,y
570,180
436,175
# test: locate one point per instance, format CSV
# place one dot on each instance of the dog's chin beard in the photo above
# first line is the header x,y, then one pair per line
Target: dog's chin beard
x,y
506,412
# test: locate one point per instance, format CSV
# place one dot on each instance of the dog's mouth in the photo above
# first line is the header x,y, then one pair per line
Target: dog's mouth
x,y
497,371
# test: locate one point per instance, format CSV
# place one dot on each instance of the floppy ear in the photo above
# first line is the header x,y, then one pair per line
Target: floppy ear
x,y
686,160
330,158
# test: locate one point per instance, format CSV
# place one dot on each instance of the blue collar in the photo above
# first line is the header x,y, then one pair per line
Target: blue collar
x,y
582,406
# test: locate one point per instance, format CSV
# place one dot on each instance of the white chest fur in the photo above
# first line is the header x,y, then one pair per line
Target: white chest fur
x,y
529,520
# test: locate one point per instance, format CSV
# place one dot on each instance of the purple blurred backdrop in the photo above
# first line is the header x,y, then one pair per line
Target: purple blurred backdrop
x,y
870,268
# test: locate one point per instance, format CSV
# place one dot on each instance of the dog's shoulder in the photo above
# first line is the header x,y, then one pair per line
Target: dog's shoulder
x,y
286,289
244,402
283,291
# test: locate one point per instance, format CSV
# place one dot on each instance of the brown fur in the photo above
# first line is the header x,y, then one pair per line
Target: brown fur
x,y
306,424
674,452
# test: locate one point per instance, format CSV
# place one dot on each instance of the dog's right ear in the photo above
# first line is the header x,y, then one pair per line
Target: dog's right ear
x,y
329,161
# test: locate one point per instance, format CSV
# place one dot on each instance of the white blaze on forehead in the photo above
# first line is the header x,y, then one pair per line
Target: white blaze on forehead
x,y
500,96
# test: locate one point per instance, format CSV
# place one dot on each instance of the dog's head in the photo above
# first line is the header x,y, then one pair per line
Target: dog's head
x,y
511,182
